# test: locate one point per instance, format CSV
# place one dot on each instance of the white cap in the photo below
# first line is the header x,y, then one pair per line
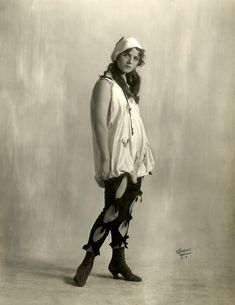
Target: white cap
x,y
123,44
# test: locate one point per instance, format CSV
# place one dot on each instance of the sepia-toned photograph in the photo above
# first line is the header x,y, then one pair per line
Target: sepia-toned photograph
x,y
117,152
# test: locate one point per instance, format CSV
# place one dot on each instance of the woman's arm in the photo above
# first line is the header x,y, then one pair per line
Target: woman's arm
x,y
101,96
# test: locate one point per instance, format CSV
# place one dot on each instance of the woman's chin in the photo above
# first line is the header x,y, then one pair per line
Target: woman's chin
x,y
127,70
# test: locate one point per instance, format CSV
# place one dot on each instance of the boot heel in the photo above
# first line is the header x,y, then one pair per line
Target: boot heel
x,y
114,272
115,275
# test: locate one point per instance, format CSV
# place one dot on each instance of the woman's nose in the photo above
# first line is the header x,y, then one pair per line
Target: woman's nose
x,y
129,61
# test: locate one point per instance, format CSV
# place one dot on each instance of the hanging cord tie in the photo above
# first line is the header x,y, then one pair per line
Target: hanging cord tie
x,y
128,107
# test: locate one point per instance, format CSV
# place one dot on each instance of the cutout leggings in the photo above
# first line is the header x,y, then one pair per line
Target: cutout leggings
x,y
120,196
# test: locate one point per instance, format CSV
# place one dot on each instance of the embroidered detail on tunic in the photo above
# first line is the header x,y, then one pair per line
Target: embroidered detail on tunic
x,y
128,108
125,142
110,125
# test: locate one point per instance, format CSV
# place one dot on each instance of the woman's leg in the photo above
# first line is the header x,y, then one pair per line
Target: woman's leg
x,y
107,217
119,231
120,193
99,231
126,196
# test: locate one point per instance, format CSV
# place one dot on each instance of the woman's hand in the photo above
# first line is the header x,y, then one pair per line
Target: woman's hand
x,y
105,168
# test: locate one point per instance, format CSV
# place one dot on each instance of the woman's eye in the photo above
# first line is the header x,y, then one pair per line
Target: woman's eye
x,y
128,56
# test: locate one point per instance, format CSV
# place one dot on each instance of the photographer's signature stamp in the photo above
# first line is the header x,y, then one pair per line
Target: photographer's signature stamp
x,y
184,252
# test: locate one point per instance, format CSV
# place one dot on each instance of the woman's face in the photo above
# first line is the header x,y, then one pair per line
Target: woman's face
x,y
128,60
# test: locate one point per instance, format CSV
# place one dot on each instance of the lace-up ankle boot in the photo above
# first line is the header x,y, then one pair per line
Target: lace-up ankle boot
x,y
118,265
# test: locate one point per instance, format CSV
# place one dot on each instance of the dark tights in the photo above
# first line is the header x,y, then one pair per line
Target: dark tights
x,y
120,195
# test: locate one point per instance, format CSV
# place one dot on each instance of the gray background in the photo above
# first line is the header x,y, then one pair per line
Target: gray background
x,y
51,54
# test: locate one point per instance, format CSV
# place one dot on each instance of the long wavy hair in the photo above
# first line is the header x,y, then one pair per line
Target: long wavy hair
x,y
132,86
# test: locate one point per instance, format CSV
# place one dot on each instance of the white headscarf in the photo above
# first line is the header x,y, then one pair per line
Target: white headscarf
x,y
123,44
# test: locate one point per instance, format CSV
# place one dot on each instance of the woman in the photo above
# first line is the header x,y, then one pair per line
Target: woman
x,y
121,153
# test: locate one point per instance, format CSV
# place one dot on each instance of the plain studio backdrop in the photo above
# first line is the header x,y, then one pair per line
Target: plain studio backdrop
x,y
52,52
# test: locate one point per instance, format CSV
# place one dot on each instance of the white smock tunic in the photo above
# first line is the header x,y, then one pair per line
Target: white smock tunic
x,y
128,144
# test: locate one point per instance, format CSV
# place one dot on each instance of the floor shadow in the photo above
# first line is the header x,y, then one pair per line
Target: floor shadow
x,y
39,268
69,281
47,269
104,276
